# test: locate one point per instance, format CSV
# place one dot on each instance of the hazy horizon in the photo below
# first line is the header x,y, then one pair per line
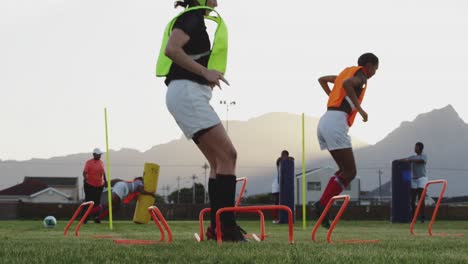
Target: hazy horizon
x,y
181,136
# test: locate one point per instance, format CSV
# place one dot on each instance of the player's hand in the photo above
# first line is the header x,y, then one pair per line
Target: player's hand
x,y
213,77
363,114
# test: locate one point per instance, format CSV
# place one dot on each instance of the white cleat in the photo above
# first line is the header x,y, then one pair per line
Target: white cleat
x,y
256,238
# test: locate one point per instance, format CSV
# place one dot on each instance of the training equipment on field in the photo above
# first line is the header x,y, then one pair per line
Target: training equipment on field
x,y
250,209
401,185
436,209
108,174
90,205
200,237
150,181
286,182
304,218
157,218
345,199
49,221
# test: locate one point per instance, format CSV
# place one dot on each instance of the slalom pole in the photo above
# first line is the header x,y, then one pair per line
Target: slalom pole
x,y
304,222
109,190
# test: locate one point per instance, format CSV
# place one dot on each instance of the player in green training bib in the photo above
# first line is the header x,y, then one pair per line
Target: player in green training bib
x,y
192,68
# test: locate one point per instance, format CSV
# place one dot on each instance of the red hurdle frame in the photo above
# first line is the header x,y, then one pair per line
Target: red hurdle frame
x,y
436,209
207,210
90,205
242,190
238,201
345,199
249,209
157,217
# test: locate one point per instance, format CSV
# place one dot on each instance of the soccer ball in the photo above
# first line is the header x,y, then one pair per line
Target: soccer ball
x,y
49,221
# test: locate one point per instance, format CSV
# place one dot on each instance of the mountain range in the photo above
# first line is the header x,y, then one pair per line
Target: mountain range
x,y
259,142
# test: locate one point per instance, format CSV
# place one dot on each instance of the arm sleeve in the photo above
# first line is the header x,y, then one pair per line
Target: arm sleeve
x,y
189,23
424,157
139,186
86,167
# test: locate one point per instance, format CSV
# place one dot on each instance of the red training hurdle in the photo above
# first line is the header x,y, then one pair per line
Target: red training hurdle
x,y
90,205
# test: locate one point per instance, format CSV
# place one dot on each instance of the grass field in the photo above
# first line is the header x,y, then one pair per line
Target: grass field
x,y
29,242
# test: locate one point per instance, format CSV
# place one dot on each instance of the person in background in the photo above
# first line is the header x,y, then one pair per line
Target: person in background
x,y
275,186
275,190
419,178
94,178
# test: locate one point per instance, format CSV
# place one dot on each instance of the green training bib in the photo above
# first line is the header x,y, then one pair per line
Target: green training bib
x,y
218,55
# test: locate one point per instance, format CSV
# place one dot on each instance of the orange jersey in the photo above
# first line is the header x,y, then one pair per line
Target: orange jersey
x,y
338,93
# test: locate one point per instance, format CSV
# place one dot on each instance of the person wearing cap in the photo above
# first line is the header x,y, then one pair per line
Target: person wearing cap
x,y
94,178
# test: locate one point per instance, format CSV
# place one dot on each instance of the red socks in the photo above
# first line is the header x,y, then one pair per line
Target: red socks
x,y
335,186
96,210
99,209
103,214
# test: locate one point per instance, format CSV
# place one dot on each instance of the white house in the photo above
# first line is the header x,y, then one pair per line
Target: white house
x,y
36,190
66,185
317,180
48,195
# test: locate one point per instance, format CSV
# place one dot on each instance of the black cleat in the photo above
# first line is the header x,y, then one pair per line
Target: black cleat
x,y
97,220
318,211
234,234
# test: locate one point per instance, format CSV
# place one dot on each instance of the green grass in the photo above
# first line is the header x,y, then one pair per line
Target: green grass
x,y
29,242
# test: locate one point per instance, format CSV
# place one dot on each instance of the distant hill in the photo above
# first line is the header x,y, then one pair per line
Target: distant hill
x,y
259,142
445,136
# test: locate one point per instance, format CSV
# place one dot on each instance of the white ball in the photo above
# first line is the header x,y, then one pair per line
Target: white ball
x,y
49,221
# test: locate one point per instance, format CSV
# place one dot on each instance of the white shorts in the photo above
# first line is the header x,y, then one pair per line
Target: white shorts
x,y
120,189
418,183
332,131
189,104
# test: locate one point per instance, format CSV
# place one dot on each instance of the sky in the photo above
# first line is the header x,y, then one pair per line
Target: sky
x,y
62,62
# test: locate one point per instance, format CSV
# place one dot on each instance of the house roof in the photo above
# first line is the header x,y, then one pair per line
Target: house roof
x,y
55,181
52,190
311,171
27,187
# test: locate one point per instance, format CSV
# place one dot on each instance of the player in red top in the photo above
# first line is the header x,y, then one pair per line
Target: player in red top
x,y
94,178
